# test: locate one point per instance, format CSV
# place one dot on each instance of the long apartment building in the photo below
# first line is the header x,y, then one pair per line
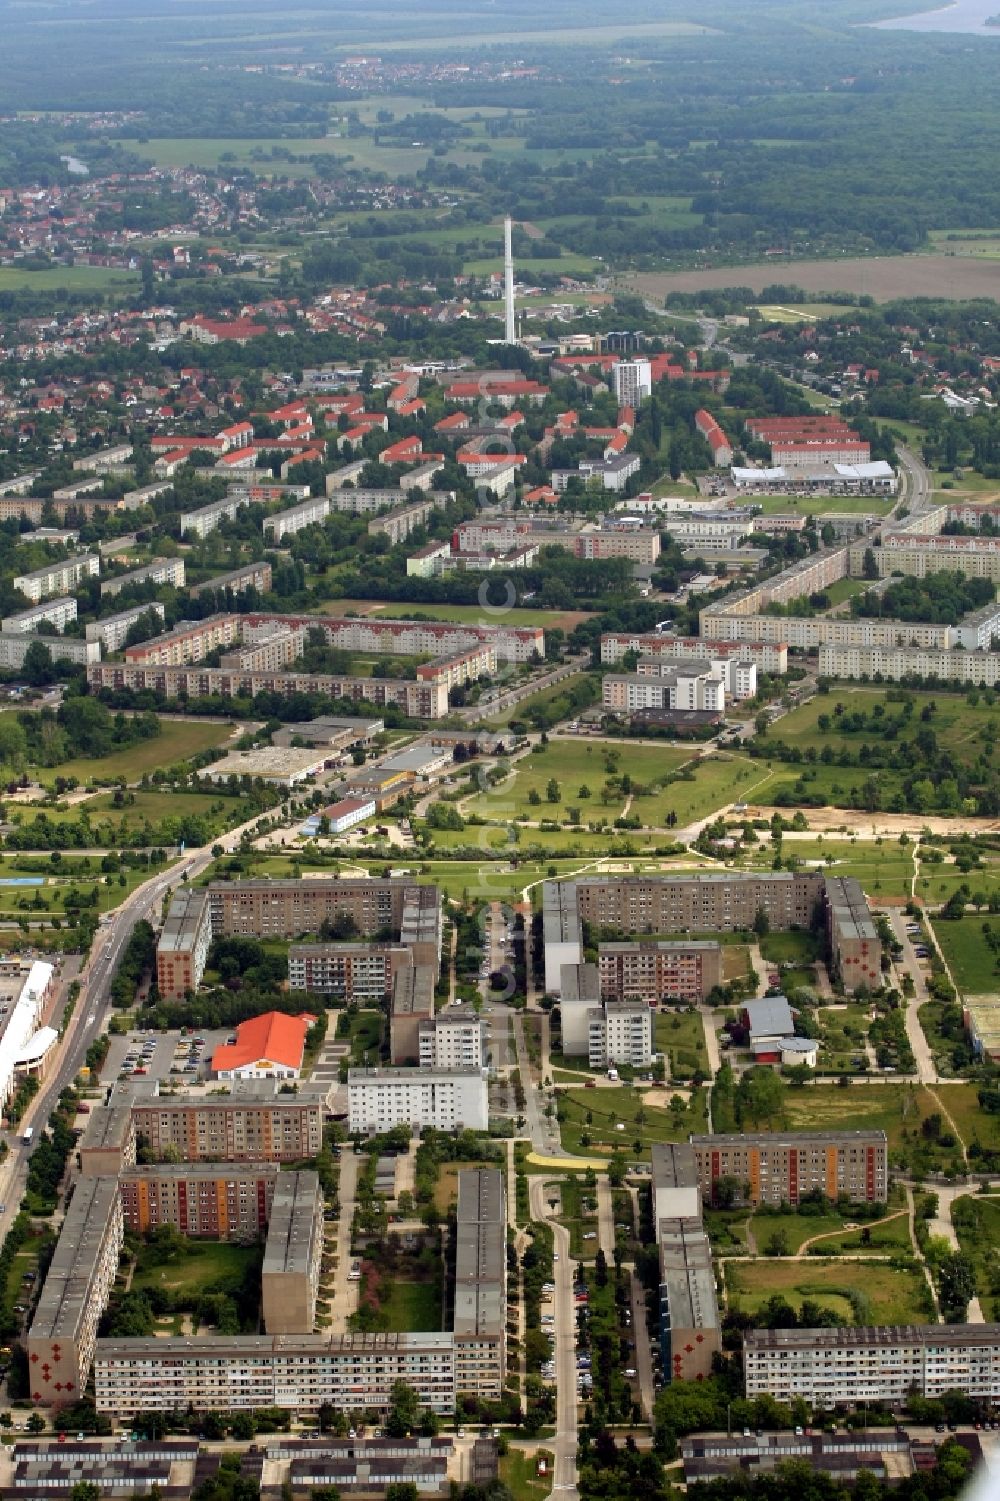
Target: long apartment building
x,y
480,1317
659,970
58,578
351,971
766,656
355,1372
882,1364
191,641
183,945
775,1168
112,631
737,674
705,904
200,522
58,613
15,645
690,1328
237,581
159,571
411,1004
201,1199
292,1255
447,1099
419,700
979,669
63,1334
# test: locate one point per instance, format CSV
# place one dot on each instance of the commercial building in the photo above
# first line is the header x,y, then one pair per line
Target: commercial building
x,y
279,766
885,1454
58,578
112,631
27,987
352,971
774,1168
160,571
883,1364
380,1098
56,612
292,1255
480,1318
183,945
453,1039
658,970
412,1004
349,812
270,1046
201,1199
332,734
63,1333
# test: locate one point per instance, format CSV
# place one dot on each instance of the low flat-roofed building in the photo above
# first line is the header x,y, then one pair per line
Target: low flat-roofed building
x,y
981,1014
330,732
884,1453
412,1004
63,1333
366,1466
349,812
292,1255
281,766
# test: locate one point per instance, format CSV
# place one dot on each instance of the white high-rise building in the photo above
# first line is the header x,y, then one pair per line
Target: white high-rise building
x,y
380,1098
510,332
621,1032
633,382
454,1038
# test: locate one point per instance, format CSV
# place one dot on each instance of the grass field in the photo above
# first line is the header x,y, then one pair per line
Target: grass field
x,y
519,1473
681,1036
467,614
610,1108
194,1270
179,739
884,277
413,1305
878,1294
152,807
975,966
67,278
794,1229
819,505
897,1109
802,312
976,1218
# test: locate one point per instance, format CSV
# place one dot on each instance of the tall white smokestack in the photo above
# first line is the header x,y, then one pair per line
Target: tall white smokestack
x,y
508,283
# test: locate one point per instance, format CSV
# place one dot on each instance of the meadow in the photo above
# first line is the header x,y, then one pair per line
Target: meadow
x,y
974,965
884,277
67,279
881,1294
596,1120
177,742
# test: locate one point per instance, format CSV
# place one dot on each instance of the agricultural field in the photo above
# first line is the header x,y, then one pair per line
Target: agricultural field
x,y
883,278
604,1120
973,963
881,1294
68,279
178,741
804,312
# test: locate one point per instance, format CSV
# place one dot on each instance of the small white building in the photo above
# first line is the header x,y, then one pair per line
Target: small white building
x,y
349,812
799,1050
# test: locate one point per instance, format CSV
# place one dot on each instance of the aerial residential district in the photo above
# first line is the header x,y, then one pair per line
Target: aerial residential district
x,y
499,877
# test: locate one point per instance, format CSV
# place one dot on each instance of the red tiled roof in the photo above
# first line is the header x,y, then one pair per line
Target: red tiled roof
x,y
273,1037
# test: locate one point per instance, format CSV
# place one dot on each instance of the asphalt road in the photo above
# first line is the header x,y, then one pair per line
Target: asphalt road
x,y
564,1444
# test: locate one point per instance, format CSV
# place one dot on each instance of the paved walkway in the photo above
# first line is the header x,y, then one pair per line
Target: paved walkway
x,y
345,1293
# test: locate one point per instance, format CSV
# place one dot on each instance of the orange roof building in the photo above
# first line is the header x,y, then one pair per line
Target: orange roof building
x,y
266,1047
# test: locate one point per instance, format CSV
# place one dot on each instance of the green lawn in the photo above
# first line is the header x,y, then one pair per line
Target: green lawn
x,y
883,866
573,764
178,740
843,1029
899,1110
413,1306
363,1030
793,1229
821,505
204,1263
790,948
609,1108
681,1036
975,966
519,1473
578,1212
976,1218
874,1294
67,278
955,723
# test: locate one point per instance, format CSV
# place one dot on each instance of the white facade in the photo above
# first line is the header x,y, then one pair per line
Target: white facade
x,y
453,1039
380,1098
979,631
58,578
621,1032
826,1366
633,382
113,630
15,645
628,693
979,668
58,612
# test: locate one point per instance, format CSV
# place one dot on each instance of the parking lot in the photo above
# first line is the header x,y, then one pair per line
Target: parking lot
x,y
162,1055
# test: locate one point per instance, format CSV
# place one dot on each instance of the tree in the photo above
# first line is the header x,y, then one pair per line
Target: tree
x,y
36,1423
956,1285
869,565
404,1410
761,923
617,1170
552,793
38,670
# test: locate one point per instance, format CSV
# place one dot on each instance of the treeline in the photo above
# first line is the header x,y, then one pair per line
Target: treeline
x,y
941,598
138,960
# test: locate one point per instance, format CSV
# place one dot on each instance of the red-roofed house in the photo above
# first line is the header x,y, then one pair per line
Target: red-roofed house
x,y
266,1047
722,450
455,423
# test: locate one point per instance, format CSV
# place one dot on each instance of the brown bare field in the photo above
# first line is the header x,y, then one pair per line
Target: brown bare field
x,y
882,277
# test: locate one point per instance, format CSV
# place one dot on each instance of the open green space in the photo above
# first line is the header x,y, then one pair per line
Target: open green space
x,y
578,1212
790,948
900,1110
822,505
178,741
412,1306
466,614
681,1036
957,724
803,312
363,1030
572,765
195,1268
599,1120
519,1473
875,1294
67,278
976,1218
791,1230
964,943
883,866
843,1029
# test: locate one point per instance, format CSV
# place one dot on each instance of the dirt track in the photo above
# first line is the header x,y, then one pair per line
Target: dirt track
x,y
881,277
869,825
